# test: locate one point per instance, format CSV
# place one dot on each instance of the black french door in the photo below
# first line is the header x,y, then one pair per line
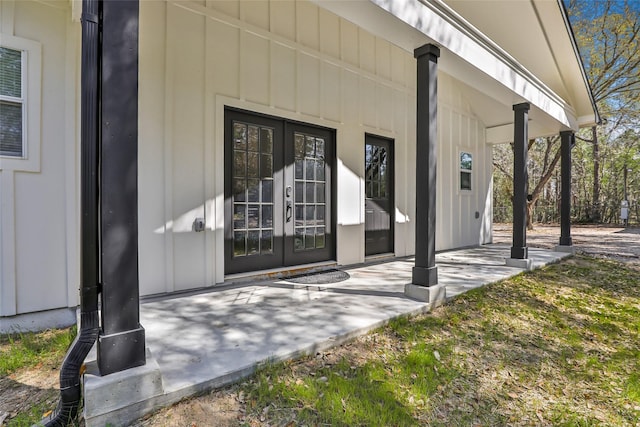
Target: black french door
x,y
379,200
278,192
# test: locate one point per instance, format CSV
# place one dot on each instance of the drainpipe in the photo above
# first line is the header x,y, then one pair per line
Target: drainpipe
x,y
70,392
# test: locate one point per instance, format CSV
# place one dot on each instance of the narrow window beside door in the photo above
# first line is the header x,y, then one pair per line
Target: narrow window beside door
x,y
379,203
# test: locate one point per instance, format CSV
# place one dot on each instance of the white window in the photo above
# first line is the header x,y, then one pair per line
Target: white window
x,y
466,167
20,99
11,103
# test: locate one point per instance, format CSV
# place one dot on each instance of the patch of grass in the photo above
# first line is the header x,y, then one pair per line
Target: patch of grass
x,y
28,349
30,417
559,346
24,356
632,387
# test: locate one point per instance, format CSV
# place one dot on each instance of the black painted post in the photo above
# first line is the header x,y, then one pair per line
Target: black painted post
x,y
425,272
122,342
519,249
567,140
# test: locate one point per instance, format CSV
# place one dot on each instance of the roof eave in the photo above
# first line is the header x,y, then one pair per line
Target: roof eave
x,y
583,121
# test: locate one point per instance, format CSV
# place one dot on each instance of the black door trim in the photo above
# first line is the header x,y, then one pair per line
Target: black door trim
x,y
284,254
375,249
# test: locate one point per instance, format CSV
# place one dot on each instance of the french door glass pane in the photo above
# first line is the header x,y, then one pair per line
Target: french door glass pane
x,y
309,195
239,243
254,138
376,171
266,242
239,136
320,237
239,190
252,189
267,191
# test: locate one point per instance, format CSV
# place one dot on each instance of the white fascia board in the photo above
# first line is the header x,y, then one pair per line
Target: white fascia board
x,y
446,28
588,121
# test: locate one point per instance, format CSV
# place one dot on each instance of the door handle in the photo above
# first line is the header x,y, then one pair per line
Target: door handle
x,y
289,211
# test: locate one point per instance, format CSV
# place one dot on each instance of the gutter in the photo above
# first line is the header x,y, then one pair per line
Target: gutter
x,y
574,44
70,373
444,26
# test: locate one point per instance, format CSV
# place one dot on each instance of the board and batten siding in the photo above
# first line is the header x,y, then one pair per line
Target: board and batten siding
x,y
459,130
292,60
287,59
39,196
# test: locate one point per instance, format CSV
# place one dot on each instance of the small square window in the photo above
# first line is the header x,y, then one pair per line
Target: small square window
x,y
466,166
465,180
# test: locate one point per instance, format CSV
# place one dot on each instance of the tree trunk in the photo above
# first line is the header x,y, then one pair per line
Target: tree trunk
x,y
530,215
535,195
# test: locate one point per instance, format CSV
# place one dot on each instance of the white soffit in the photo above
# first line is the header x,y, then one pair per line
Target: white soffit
x,y
536,34
476,61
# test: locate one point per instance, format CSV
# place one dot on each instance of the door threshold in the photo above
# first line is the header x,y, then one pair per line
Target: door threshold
x,y
379,257
277,273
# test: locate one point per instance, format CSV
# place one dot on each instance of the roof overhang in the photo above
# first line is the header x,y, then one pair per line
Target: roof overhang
x,y
494,78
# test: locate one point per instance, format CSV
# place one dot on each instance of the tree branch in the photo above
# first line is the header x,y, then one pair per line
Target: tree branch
x,y
503,170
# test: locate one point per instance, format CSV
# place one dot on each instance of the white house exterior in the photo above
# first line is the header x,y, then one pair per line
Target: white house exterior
x,y
215,74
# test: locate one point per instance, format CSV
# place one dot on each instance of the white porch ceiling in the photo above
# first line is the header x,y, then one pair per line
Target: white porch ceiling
x,y
504,53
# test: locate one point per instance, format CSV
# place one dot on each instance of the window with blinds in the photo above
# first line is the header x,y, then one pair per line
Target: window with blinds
x,y
11,103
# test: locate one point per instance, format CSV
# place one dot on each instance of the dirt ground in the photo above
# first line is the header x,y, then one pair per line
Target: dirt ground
x,y
617,243
27,388
22,389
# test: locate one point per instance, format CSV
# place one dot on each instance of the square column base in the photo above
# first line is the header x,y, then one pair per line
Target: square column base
x,y
117,352
525,263
566,249
434,295
122,397
519,252
566,241
424,276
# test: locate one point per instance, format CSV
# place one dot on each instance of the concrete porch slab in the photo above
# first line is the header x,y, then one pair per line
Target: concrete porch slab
x,y
209,339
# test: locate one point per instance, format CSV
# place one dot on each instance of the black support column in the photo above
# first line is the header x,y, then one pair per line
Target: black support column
x,y
424,284
567,139
121,344
519,250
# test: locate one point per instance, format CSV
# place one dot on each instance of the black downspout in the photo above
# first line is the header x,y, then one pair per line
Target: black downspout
x,y
70,392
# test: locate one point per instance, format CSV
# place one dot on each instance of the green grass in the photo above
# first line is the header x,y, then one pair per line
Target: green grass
x,y
30,416
557,346
28,349
23,355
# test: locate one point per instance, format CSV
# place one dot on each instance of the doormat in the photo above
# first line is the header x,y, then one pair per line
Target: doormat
x,y
320,278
